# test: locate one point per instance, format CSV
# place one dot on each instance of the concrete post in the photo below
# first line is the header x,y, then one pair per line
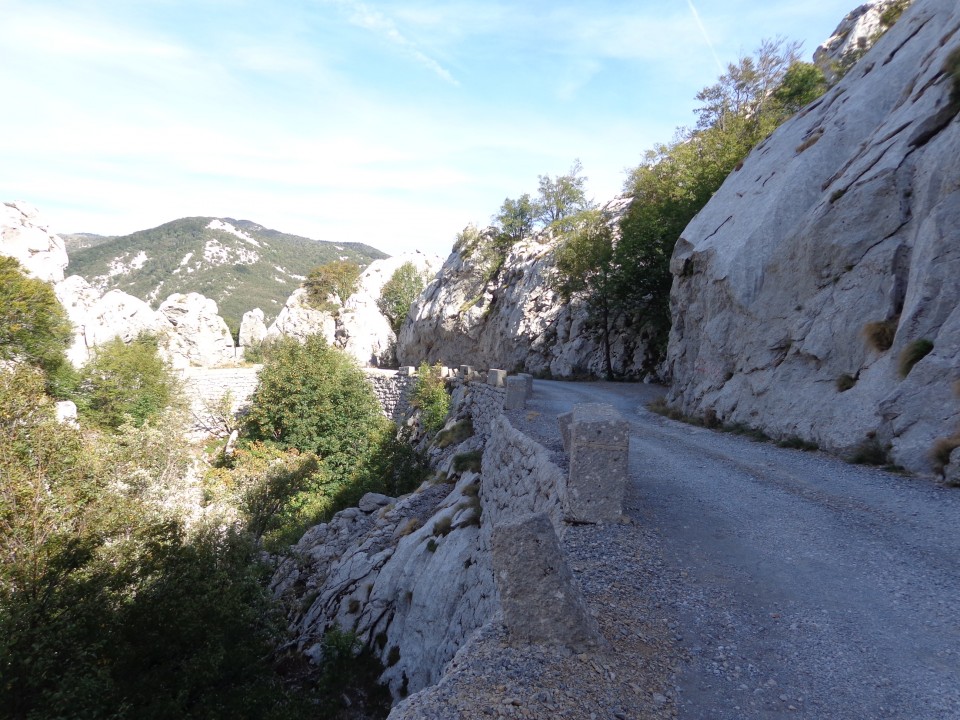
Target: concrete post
x,y
539,595
496,377
516,393
598,441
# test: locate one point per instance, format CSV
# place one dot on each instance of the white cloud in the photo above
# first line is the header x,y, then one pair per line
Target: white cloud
x,y
366,17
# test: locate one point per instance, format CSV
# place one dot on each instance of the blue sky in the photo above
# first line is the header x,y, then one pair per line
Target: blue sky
x,y
391,123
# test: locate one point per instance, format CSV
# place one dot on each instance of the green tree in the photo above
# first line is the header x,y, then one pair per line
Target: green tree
x,y
399,292
585,267
124,382
802,83
430,396
516,219
561,196
337,278
315,398
33,325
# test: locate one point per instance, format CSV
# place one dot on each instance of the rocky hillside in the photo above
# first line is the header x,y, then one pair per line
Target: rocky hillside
x,y
237,263
816,294
510,317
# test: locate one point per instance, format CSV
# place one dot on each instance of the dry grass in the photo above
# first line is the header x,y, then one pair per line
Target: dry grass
x,y
940,452
912,354
845,382
880,333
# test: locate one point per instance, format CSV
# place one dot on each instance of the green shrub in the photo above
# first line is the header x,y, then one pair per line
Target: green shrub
x,y
122,382
455,434
442,526
890,16
845,382
469,461
912,354
880,333
797,443
870,452
430,397
33,325
399,292
337,278
313,397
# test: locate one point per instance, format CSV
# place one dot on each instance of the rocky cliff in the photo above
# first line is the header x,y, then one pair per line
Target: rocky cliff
x,y
807,288
512,318
357,327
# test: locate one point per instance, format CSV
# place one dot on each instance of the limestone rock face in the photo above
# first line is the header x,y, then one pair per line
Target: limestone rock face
x,y
358,327
847,215
253,329
25,236
515,321
197,334
362,330
298,319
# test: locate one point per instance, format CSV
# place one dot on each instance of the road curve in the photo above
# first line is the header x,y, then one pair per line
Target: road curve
x,y
797,585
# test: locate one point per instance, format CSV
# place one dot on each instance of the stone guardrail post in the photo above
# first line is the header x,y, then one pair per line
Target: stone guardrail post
x,y
597,439
516,393
541,600
496,377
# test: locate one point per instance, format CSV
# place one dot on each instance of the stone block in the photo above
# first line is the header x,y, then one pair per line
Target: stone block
x,y
516,393
406,371
539,595
598,441
496,377
564,421
528,380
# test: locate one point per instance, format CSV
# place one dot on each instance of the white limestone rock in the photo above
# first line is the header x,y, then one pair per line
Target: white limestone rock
x,y
362,330
298,320
253,329
855,34
196,334
776,278
24,236
516,322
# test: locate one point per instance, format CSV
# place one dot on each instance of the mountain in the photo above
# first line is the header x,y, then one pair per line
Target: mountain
x,y
78,241
238,263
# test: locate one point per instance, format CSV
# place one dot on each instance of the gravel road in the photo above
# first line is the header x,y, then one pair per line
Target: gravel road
x,y
790,583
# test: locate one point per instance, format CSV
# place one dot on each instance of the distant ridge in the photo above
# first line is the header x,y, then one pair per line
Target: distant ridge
x,y
238,263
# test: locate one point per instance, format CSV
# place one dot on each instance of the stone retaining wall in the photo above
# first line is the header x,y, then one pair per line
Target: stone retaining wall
x,y
207,385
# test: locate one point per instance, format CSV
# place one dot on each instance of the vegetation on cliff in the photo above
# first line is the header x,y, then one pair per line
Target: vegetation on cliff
x,y
130,586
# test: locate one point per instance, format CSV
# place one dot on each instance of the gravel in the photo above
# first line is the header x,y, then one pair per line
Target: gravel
x,y
747,581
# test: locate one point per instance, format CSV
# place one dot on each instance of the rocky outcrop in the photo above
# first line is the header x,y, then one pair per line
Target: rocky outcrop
x,y
253,329
357,327
24,236
856,34
514,319
846,216
196,334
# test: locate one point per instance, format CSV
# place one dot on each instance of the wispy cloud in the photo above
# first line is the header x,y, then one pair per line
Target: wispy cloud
x,y
366,17
706,35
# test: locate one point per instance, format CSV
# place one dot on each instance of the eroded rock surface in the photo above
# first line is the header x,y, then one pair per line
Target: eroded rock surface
x,y
847,215
514,320
24,236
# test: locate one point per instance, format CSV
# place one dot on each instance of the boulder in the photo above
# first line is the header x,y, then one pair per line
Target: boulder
x,y
298,319
846,216
196,334
24,236
253,329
